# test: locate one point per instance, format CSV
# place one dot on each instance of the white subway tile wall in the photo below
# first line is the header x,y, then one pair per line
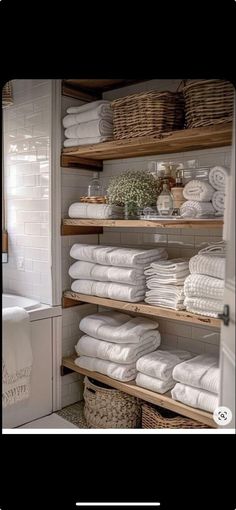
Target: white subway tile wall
x,y
27,127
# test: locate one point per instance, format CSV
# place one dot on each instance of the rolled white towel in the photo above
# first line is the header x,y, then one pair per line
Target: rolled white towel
x,y
89,271
160,363
195,397
93,128
110,290
218,201
86,112
117,371
199,191
200,371
217,177
194,209
209,264
73,142
202,286
203,306
154,384
97,211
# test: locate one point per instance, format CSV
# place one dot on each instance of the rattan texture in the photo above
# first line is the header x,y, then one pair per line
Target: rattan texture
x,y
156,418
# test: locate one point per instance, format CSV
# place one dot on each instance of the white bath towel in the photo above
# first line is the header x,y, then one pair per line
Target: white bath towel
x,y
202,286
195,397
199,191
97,211
170,296
110,290
160,363
204,306
17,355
172,271
218,201
217,177
89,271
154,384
118,327
115,370
193,209
201,372
73,142
87,112
93,128
117,353
208,265
116,256
214,249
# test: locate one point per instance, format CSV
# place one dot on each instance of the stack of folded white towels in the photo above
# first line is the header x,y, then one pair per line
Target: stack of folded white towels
x,y
198,195
88,124
204,287
113,342
218,178
165,281
95,211
111,272
198,382
155,369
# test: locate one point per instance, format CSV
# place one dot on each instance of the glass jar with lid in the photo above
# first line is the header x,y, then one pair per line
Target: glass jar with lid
x,y
95,187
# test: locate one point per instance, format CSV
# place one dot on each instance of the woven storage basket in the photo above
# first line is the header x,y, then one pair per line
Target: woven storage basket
x,y
157,418
147,113
107,408
208,102
7,95
94,200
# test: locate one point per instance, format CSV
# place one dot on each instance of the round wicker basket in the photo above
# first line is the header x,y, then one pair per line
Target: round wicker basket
x,y
158,418
94,200
107,408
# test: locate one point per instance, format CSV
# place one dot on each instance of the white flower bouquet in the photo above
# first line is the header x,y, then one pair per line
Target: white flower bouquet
x,y
139,187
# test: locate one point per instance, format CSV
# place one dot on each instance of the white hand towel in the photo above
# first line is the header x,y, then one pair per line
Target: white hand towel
x,y
154,384
204,306
89,271
90,111
160,364
195,397
193,209
97,211
115,370
208,265
200,191
201,372
217,177
116,256
168,297
218,201
117,353
110,290
202,286
73,142
214,249
93,128
118,327
166,267
17,355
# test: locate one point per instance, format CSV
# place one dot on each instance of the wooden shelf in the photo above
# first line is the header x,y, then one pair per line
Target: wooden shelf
x,y
91,90
141,308
149,396
79,226
177,141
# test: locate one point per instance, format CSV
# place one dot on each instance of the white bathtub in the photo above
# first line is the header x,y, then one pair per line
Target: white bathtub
x,y
10,300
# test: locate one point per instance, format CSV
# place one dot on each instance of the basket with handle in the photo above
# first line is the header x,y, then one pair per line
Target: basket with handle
x,y
154,417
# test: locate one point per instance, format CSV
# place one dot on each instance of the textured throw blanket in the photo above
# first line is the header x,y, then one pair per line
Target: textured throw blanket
x,y
201,372
200,191
195,397
218,201
202,286
97,211
91,111
93,128
110,290
160,364
116,256
217,177
118,327
73,142
117,353
115,370
89,271
206,264
193,209
154,384
204,306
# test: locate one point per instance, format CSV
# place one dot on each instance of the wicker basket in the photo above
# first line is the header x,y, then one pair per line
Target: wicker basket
x,y
208,102
94,200
157,418
147,113
107,408
7,95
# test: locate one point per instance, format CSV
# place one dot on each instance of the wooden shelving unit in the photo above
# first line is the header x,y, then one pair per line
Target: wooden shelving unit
x,y
149,396
90,89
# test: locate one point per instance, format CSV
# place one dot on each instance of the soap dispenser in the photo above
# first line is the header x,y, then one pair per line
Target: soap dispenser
x,y
165,200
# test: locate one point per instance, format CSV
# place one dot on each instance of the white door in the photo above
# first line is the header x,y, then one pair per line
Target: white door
x,y
227,354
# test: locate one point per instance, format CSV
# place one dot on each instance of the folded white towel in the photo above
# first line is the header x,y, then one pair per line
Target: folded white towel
x,y
195,397
73,142
217,177
89,271
118,327
93,128
202,286
166,272
117,353
17,355
110,290
98,211
86,112
200,191
194,209
160,363
201,372
115,370
214,249
218,201
168,297
203,306
154,384
116,256
208,265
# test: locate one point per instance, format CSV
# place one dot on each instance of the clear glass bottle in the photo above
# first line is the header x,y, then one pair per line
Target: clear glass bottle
x,y
165,201
95,187
177,190
169,171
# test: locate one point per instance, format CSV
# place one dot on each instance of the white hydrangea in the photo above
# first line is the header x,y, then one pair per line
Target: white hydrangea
x,y
139,187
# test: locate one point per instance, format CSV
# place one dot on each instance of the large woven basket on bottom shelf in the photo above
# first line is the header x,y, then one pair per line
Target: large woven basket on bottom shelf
x,y
107,408
208,102
158,418
147,113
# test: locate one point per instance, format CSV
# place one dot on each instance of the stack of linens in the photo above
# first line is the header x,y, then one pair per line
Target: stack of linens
x,y
88,124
